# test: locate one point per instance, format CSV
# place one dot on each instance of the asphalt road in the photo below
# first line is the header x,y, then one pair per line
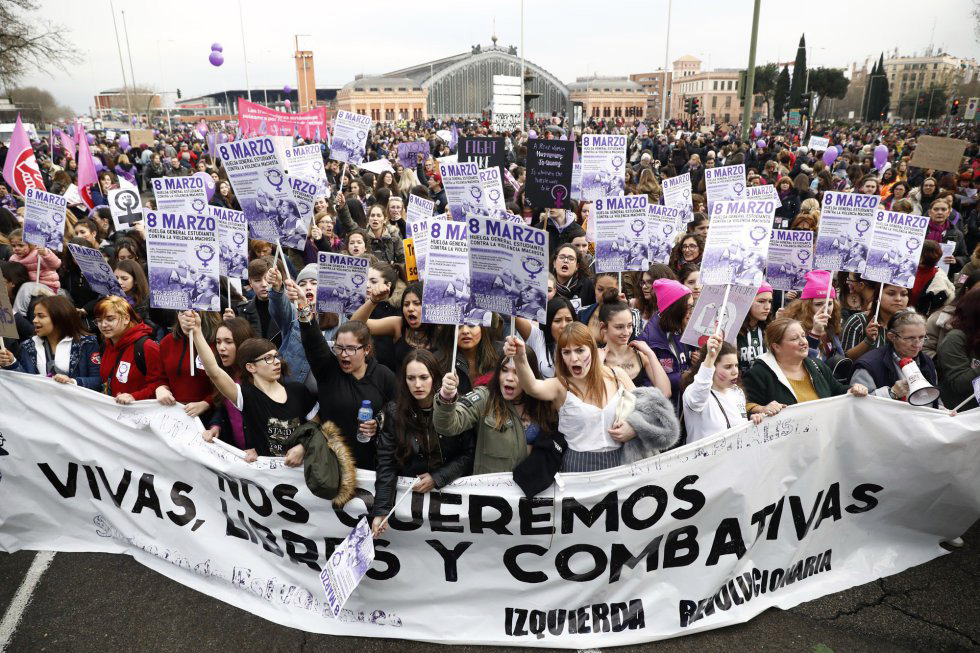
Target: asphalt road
x,y
101,602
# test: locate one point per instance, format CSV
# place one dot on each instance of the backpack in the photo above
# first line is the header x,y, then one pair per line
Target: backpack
x,y
139,356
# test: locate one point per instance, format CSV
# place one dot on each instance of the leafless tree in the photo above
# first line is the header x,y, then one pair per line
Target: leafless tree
x,y
29,42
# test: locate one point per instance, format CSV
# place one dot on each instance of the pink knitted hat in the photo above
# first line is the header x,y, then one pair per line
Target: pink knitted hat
x,y
765,287
668,291
816,285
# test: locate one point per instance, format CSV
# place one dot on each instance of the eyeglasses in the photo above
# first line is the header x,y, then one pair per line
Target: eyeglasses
x,y
349,350
910,340
269,359
107,320
689,246
565,258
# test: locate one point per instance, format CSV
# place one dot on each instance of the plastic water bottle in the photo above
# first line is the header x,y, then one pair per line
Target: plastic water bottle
x,y
364,414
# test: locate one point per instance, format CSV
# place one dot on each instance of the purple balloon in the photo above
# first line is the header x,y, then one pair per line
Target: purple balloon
x,y
216,47
216,58
881,156
90,138
757,132
222,137
532,134
124,144
287,89
288,104
830,155
208,183
760,143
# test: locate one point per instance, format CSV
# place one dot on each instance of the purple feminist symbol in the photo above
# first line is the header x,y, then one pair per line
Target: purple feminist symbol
x,y
358,279
361,135
616,161
238,238
686,193
494,194
318,166
476,192
204,253
862,225
531,265
757,234
304,207
559,192
57,218
738,187
275,178
198,205
638,225
912,244
803,255
668,229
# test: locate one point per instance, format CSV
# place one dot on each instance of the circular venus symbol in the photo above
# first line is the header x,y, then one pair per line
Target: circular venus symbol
x,y
738,187
803,255
476,192
912,244
531,265
274,177
862,225
617,161
238,238
559,193
204,253
494,194
757,234
198,205
358,279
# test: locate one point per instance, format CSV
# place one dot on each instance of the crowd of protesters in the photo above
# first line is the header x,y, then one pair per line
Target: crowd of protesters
x,y
604,381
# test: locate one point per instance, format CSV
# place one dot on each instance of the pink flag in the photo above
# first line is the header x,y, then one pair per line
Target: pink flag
x,y
86,170
68,144
20,169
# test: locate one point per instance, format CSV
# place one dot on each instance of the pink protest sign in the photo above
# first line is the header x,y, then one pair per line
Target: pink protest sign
x,y
257,120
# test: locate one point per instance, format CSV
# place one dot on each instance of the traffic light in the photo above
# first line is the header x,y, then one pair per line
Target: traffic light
x,y
695,105
805,104
955,107
178,94
687,105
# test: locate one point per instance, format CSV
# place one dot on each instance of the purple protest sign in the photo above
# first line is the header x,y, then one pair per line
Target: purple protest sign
x,y
790,258
346,566
408,153
418,208
259,181
44,219
707,311
180,195
350,133
232,241
677,193
306,161
341,281
96,270
493,194
663,221
622,233
896,243
724,183
846,220
295,214
603,165
446,294
738,240
549,173
464,192
182,255
508,267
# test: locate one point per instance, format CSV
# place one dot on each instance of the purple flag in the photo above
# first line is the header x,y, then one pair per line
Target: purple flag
x,y
453,136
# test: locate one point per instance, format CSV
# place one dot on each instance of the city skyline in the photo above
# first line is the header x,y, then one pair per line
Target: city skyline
x,y
570,39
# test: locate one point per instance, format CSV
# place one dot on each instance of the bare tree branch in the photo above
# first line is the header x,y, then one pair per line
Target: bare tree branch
x,y
27,43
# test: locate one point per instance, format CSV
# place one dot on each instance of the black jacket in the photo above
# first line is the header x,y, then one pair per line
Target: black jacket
x,y
455,454
251,313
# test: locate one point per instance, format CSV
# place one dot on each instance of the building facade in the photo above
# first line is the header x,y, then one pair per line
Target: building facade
x,y
609,97
920,74
462,85
117,100
305,81
717,91
384,98
657,87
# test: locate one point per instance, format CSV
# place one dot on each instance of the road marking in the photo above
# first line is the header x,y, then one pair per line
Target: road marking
x,y
23,597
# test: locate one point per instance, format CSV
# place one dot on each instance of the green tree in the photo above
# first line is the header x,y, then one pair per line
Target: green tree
x,y
878,94
924,104
781,94
827,83
799,75
29,42
765,83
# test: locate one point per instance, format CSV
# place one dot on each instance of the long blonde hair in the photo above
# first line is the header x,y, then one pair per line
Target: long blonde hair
x,y
577,334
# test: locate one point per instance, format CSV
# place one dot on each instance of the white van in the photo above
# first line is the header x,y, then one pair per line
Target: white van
x,y
7,130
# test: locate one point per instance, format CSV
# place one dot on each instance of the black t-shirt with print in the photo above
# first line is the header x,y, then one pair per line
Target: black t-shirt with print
x,y
268,423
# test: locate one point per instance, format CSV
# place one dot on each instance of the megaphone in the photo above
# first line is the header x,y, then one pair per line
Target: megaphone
x,y
921,392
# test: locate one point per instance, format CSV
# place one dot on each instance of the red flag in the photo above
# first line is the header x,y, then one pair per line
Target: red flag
x,y
86,170
68,144
20,169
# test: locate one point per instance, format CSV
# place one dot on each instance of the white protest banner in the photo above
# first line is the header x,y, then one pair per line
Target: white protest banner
x,y
790,258
346,567
180,194
576,192
350,131
259,182
8,323
44,219
446,294
506,122
306,161
603,165
724,183
232,241
708,535
377,166
464,191
182,256
707,311
96,270
677,193
845,220
341,282
418,208
664,223
124,205
73,197
491,185
508,267
818,143
738,241
896,243
622,233
295,214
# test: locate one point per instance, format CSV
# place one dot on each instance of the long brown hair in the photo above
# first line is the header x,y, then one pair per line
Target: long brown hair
x,y
539,412
407,423
803,310
141,287
63,315
577,334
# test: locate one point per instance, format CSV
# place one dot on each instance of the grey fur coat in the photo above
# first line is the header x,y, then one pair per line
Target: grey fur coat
x,y
655,422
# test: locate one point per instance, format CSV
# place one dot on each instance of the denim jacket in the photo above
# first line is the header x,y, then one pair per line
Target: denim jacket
x,y
281,310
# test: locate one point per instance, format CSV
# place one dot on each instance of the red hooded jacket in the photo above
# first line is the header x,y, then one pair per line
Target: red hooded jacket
x,y
118,368
174,358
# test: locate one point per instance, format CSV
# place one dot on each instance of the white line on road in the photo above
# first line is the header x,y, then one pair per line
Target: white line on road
x,y
23,597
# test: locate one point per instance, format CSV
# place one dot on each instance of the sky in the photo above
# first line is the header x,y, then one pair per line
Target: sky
x,y
170,42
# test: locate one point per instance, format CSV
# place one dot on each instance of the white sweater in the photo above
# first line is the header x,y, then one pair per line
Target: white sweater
x,y
703,416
